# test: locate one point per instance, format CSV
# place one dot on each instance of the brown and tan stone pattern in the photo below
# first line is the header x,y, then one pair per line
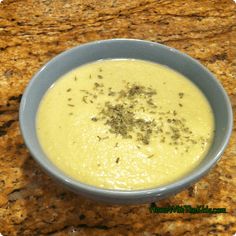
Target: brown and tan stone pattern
x,y
31,33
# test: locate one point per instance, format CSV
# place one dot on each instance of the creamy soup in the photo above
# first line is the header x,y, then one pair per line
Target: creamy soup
x,y
125,124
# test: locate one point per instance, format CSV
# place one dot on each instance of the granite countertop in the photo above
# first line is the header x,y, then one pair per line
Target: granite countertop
x,y
31,33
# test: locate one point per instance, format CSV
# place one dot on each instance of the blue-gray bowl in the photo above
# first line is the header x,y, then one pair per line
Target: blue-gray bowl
x,y
126,48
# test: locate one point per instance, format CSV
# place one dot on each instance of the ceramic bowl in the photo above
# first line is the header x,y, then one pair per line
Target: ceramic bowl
x,y
126,48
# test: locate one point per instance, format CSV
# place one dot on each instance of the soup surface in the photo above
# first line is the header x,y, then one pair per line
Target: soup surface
x,y
125,124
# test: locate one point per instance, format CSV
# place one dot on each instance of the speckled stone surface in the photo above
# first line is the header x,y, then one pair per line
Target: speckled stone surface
x,y
31,33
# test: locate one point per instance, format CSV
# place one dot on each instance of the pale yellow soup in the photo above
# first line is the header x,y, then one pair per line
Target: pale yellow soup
x,y
125,124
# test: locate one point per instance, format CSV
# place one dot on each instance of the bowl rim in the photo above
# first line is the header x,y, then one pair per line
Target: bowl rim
x,y
125,194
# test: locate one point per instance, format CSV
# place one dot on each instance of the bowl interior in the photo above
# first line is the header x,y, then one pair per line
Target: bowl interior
x,y
124,48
